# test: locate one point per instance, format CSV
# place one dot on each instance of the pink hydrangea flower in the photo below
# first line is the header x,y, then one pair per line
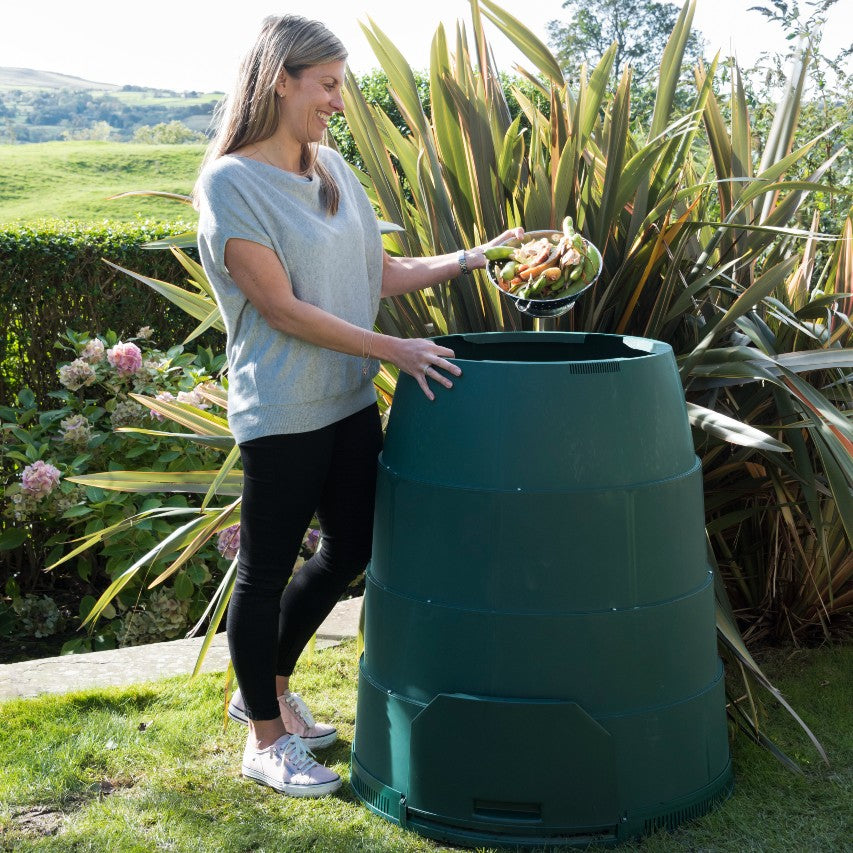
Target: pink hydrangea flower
x,y
163,397
93,352
76,375
75,430
228,541
39,479
312,539
194,398
126,413
125,358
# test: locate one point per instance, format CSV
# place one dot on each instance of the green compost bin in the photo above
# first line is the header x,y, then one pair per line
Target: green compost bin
x,y
540,662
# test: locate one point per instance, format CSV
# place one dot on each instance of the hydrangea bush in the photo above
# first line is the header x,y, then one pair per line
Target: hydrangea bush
x,y
39,616
42,510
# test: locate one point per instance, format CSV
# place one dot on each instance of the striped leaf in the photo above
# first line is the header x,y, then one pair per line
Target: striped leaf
x,y
192,303
732,430
198,420
529,44
146,482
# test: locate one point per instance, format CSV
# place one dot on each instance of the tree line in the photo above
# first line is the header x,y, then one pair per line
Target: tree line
x,y
42,115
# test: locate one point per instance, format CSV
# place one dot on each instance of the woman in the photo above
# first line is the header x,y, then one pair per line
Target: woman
x,y
291,245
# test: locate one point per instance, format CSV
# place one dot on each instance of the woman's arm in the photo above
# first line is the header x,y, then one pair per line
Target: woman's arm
x,y
261,277
405,275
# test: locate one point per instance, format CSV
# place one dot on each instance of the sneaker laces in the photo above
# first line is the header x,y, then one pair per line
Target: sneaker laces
x,y
294,700
296,753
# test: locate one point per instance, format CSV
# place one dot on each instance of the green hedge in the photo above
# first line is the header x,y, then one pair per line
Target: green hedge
x,y
52,277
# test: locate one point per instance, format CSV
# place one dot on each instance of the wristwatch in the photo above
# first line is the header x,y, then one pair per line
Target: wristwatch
x,y
462,258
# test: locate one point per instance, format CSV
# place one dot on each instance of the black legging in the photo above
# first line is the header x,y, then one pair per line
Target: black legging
x,y
286,480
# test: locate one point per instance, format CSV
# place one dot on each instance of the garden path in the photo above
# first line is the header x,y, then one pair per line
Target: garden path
x,y
145,663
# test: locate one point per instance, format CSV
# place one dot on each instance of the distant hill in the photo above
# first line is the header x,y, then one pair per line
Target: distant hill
x,y
43,106
27,78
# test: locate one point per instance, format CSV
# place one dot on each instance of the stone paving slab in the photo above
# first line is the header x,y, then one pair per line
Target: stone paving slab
x,y
118,667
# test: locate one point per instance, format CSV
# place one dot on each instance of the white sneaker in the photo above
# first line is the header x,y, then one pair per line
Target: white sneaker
x,y
289,767
298,720
237,708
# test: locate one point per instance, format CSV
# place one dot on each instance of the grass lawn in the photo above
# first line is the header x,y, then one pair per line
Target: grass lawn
x,y
74,180
151,768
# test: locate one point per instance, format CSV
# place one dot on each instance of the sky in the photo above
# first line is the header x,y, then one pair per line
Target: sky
x,y
197,44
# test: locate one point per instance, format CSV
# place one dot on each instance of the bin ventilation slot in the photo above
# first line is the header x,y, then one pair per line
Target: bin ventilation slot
x,y
498,810
378,799
595,367
673,819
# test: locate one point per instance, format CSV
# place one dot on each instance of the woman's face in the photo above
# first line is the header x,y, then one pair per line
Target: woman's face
x,y
309,101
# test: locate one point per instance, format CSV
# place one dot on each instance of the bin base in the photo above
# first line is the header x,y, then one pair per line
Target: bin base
x,y
391,805
449,769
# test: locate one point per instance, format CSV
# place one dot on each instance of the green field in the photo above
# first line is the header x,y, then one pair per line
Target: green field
x,y
74,180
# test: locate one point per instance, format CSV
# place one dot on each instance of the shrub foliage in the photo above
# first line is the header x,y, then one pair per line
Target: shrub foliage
x,y
77,432
52,278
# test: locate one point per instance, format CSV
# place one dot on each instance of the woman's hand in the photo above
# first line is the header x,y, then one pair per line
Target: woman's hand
x,y
424,360
476,256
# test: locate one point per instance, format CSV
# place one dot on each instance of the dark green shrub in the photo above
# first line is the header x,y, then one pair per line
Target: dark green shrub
x,y
52,277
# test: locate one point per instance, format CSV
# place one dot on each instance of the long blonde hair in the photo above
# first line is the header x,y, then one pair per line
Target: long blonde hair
x,y
288,43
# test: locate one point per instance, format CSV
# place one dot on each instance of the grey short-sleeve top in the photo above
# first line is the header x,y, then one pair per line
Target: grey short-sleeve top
x,y
278,383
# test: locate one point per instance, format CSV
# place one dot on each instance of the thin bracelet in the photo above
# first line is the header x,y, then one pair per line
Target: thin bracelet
x,y
366,358
462,260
